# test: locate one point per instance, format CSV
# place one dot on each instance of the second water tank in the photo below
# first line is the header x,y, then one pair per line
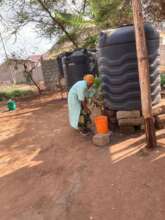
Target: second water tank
x,y
76,65
118,67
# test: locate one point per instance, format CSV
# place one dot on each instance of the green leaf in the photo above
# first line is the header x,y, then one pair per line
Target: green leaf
x,y
73,20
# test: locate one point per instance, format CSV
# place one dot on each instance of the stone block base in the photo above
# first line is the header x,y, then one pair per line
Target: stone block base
x,y
160,121
127,114
101,139
130,121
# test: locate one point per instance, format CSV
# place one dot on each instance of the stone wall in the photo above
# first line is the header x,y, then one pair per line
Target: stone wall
x,y
13,71
50,73
10,72
5,73
37,73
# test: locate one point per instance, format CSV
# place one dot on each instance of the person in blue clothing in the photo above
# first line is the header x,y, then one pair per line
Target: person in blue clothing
x,y
77,103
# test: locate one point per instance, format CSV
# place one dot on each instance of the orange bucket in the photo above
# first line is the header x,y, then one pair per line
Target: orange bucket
x,y
101,123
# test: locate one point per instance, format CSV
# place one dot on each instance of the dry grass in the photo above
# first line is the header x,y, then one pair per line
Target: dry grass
x,y
13,91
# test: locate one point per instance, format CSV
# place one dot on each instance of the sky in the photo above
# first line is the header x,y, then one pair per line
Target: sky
x,y
27,43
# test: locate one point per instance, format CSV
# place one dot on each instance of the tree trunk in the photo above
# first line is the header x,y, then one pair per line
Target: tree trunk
x,y
29,73
31,77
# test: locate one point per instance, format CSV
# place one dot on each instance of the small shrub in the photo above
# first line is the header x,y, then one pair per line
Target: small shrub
x,y
91,42
1,98
64,38
5,95
95,98
163,79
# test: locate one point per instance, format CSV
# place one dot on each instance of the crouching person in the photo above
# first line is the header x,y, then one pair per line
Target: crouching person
x,y
79,113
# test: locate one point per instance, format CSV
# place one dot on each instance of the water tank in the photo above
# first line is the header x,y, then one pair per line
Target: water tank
x,y
60,63
92,53
76,66
118,67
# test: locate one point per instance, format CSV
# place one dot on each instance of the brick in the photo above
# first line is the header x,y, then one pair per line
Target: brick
x,y
160,121
128,114
101,139
131,122
161,118
157,111
159,108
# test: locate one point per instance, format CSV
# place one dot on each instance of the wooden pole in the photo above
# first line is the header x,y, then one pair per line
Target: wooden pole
x,y
144,79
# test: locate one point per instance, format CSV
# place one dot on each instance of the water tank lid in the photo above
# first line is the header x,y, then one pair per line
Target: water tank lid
x,y
125,35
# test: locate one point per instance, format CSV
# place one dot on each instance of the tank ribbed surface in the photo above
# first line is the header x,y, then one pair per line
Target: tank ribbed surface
x,y
60,63
118,67
76,65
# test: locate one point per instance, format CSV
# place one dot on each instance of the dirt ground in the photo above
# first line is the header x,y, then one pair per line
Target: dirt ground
x,y
50,172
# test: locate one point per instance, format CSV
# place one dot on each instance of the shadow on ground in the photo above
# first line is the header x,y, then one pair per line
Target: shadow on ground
x,y
49,172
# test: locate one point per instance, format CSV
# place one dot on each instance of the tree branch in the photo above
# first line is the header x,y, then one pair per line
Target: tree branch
x,y
29,73
84,6
57,22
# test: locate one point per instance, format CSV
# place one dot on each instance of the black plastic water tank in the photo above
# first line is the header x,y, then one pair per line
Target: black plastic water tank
x,y
118,67
76,66
60,63
92,53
